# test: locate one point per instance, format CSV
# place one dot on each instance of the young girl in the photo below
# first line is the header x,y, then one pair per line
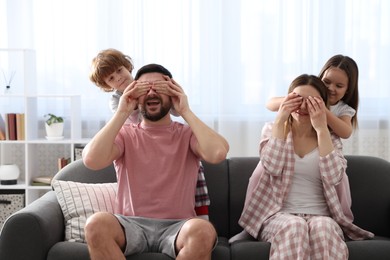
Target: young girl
x,y
340,75
111,71
295,205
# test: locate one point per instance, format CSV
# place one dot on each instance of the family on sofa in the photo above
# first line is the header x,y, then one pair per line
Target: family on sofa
x,y
298,198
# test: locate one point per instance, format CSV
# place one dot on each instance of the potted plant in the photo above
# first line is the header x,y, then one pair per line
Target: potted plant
x,y
54,126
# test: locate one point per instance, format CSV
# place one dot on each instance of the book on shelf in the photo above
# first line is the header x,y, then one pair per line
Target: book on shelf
x,y
2,134
2,128
12,126
42,180
20,131
11,119
78,151
62,162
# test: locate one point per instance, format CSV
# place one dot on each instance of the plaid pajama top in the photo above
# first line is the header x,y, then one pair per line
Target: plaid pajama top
x,y
277,166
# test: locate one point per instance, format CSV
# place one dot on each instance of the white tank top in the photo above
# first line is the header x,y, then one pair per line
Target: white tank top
x,y
306,194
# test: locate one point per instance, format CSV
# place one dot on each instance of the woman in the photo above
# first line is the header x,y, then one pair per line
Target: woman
x,y
295,205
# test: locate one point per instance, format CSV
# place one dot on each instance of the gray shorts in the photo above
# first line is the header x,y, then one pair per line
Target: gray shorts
x,y
150,235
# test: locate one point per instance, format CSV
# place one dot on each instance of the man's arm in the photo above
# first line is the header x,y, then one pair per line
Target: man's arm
x,y
101,150
212,147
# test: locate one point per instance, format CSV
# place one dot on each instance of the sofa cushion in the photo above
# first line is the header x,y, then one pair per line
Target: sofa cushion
x,y
78,201
369,179
218,187
250,249
240,170
72,250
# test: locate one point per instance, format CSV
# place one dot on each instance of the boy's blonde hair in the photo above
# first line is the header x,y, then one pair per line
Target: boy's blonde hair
x,y
105,63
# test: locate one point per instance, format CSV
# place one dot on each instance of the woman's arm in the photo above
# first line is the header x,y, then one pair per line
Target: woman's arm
x,y
273,142
333,165
317,111
332,161
272,152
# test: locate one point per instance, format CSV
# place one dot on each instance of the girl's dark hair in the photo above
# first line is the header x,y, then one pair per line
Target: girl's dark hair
x,y
105,63
349,66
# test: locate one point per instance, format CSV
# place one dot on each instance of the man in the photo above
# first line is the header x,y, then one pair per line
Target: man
x,y
110,65
157,162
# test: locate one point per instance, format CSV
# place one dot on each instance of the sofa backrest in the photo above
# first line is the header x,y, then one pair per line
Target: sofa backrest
x,y
217,180
240,170
227,183
76,171
369,180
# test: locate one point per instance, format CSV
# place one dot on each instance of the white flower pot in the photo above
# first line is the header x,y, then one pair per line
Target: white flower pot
x,y
55,130
9,174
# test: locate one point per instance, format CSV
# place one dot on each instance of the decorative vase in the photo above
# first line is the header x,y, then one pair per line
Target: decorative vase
x,y
54,131
9,174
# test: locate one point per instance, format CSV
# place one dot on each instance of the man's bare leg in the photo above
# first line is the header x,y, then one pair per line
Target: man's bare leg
x,y
105,237
196,240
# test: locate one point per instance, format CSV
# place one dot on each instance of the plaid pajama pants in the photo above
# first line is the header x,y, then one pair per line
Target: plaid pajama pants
x,y
302,236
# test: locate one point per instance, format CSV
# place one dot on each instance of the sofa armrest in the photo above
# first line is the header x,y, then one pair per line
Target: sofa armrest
x,y
32,231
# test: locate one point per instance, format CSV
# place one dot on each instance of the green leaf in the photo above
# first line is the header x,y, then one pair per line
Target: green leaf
x,y
53,119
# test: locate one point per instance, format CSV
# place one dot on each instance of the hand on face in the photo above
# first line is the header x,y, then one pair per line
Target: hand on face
x,y
317,112
172,89
131,95
291,103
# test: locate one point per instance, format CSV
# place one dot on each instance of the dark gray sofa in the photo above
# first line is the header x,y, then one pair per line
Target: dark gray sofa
x,y
37,231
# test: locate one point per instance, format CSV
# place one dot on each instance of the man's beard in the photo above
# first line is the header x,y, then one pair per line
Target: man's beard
x,y
164,110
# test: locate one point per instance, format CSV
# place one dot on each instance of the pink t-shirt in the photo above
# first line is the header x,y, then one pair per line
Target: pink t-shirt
x,y
157,171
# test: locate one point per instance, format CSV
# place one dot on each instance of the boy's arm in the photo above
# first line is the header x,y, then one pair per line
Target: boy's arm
x,y
273,103
341,126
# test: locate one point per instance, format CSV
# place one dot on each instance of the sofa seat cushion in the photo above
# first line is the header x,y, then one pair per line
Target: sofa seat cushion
x,y
377,248
250,250
222,250
74,250
66,250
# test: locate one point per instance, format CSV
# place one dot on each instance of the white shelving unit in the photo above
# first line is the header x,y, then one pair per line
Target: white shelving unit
x,y
35,156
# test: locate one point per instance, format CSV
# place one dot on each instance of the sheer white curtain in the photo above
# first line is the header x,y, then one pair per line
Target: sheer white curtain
x,y
230,56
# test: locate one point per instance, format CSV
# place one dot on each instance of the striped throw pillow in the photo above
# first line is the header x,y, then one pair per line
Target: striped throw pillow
x,y
78,201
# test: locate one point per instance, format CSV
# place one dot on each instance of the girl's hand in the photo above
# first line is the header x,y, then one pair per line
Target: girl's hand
x,y
317,111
